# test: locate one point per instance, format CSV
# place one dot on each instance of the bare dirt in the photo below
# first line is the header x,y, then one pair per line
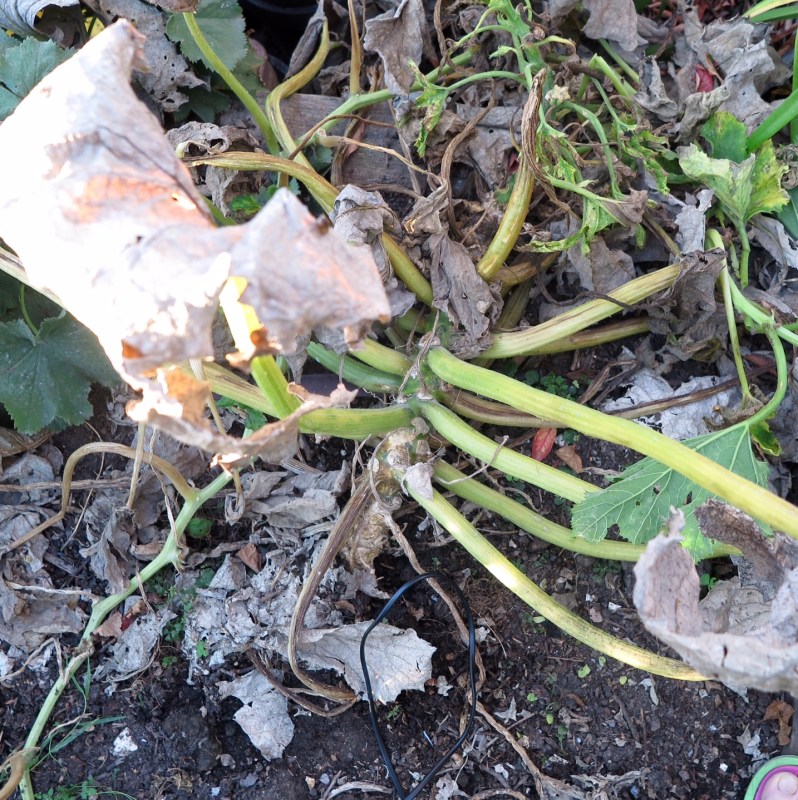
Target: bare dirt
x,y
589,721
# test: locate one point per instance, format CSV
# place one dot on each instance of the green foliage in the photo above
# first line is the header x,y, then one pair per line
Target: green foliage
x,y
788,215
207,104
552,383
23,66
46,372
639,502
254,419
182,600
744,187
432,99
85,790
726,137
199,527
222,23
707,581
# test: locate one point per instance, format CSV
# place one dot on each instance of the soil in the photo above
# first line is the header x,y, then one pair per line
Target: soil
x,y
589,721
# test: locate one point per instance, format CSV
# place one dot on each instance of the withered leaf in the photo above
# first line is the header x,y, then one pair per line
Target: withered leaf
x,y
398,37
735,634
132,252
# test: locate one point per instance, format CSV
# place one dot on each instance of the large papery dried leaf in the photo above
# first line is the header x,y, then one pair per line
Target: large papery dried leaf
x,y
457,289
398,37
742,54
361,217
745,632
131,251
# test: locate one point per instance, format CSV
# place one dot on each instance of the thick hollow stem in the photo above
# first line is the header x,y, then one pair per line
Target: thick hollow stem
x,y
536,339
511,223
521,586
274,386
746,495
483,496
463,436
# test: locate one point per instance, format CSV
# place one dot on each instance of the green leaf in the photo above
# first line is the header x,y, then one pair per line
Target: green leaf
x,y
207,104
765,438
45,377
199,527
639,502
750,187
433,100
767,194
222,22
726,136
788,216
23,66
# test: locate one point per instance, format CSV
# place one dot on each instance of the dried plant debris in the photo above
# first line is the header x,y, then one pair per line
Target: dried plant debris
x,y
688,313
470,303
609,19
167,74
744,632
741,53
235,613
398,36
135,646
360,218
735,49
600,269
221,185
264,715
119,209
681,422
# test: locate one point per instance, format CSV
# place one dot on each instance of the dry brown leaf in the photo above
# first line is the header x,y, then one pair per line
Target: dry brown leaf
x,y
111,628
398,37
609,19
218,183
132,252
688,311
781,712
167,74
600,269
25,17
462,294
570,458
249,555
736,634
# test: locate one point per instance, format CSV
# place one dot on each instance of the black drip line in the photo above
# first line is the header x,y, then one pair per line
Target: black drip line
x,y
472,683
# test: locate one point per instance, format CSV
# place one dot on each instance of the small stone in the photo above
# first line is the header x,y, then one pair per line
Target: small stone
x,y
124,745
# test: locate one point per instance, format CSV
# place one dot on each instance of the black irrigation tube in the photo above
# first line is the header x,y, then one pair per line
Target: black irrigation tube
x,y
472,683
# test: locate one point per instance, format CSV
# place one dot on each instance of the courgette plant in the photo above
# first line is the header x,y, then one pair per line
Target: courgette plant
x,y
436,396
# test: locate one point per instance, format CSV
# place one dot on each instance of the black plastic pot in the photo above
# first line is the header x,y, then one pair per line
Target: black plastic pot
x,y
278,25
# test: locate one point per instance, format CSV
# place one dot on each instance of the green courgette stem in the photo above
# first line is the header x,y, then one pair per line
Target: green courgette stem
x,y
511,223
725,484
535,339
483,496
465,438
521,586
